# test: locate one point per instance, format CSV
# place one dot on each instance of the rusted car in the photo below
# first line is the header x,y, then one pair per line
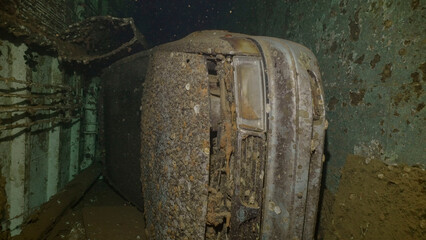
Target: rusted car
x,y
231,136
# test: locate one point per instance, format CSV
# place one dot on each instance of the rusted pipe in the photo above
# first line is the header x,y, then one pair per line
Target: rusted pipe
x,y
29,96
32,84
30,124
14,108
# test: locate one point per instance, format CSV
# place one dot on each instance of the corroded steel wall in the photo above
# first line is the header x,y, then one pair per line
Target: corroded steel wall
x,y
371,56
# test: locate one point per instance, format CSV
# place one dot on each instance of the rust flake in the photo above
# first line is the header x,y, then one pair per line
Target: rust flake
x,y
357,97
332,103
387,72
422,68
420,106
360,59
402,52
387,24
374,61
354,27
415,4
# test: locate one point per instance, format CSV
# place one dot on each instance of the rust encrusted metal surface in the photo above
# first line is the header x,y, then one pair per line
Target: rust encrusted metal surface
x,y
98,41
175,145
213,42
37,22
207,175
100,38
295,141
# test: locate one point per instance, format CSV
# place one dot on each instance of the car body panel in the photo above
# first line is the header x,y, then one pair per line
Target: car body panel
x,y
295,140
198,122
175,145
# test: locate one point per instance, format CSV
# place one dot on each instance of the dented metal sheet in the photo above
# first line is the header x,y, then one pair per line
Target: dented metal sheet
x,y
175,145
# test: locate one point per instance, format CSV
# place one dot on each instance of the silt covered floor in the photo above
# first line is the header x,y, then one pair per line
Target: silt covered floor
x,y
100,214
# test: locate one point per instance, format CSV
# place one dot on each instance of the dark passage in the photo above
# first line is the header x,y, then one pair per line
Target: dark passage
x,y
101,214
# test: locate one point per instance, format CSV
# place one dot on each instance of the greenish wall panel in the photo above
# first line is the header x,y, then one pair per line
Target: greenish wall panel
x,y
90,123
42,154
64,155
36,157
371,54
39,136
38,168
13,147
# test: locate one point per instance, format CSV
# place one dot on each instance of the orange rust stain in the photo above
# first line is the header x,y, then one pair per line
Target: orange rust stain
x,y
204,92
233,115
247,112
226,143
206,144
